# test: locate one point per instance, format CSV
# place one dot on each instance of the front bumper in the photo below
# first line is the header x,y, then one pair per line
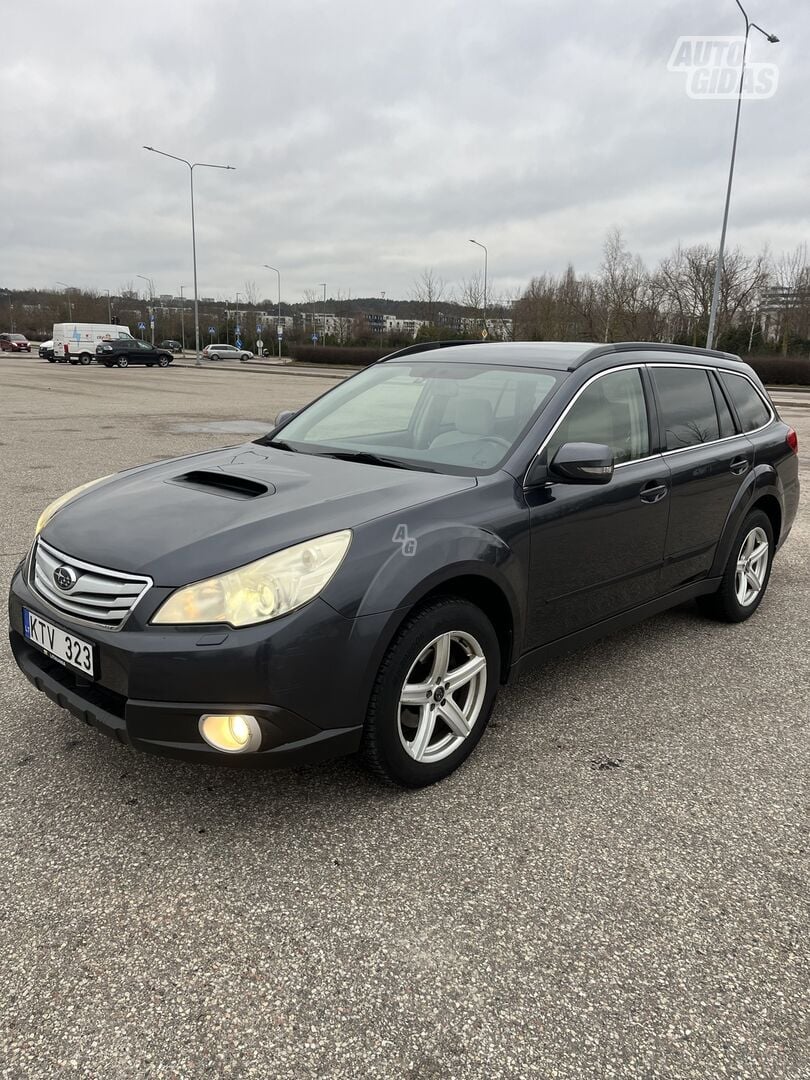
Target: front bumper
x,y
304,676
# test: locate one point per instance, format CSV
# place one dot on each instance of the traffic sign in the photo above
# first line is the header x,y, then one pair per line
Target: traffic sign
x,y
280,332
212,330
141,325
152,321
239,343
314,339
258,329
238,331
259,344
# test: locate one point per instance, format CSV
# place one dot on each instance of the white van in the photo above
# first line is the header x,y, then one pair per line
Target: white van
x,y
76,342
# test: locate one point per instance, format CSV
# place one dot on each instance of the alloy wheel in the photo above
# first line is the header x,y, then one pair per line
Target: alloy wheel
x,y
442,696
752,566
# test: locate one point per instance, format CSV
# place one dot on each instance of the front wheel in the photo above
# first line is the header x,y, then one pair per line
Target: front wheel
x,y
122,361
433,695
163,361
746,574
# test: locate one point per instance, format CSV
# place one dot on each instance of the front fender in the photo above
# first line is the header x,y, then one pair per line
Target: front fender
x,y
762,480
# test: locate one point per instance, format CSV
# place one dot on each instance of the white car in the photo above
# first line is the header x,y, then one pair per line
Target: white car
x,y
226,352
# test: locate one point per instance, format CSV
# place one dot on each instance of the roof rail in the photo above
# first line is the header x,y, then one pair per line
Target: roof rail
x,y
646,346
426,346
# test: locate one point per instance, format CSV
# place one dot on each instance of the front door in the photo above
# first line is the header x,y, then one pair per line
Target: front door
x,y
596,550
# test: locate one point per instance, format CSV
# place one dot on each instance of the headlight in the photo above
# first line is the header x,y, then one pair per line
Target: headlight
x,y
262,590
57,504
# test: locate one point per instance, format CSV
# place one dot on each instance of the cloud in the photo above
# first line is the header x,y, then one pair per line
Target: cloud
x,y
373,139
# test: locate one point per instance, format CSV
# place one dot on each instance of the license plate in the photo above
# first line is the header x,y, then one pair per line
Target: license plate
x,y
68,649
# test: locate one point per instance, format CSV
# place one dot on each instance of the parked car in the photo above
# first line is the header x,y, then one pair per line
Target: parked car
x,y
121,352
14,343
46,351
171,346
226,352
367,575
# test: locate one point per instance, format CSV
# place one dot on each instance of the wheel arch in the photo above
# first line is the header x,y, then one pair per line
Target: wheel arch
x,y
761,492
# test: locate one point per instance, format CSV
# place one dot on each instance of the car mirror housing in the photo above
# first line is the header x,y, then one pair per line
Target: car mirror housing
x,y
284,416
582,463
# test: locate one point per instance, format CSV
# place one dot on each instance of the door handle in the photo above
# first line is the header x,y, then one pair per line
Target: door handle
x,y
653,491
739,465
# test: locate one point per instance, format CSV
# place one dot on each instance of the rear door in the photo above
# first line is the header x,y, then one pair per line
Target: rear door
x,y
708,460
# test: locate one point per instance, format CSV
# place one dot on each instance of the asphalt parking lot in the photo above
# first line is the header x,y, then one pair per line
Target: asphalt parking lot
x,y
615,885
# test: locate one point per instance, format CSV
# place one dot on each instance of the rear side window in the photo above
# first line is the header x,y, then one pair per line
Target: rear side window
x,y
688,413
750,407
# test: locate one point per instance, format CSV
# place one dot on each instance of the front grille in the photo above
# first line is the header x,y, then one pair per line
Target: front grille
x,y
99,597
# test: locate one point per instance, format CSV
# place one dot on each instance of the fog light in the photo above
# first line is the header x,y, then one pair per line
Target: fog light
x,y
235,733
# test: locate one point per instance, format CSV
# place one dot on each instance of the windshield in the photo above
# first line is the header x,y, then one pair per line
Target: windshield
x,y
442,416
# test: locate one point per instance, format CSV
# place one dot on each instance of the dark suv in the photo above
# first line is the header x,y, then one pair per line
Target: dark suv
x,y
367,575
121,352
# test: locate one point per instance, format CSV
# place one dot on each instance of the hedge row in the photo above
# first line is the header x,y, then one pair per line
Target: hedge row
x,y
781,370
354,355
773,370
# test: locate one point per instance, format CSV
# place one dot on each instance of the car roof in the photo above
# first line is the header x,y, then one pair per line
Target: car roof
x,y
560,355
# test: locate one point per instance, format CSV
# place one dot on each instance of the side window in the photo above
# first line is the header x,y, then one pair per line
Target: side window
x,y
727,425
144,345
750,407
688,413
612,410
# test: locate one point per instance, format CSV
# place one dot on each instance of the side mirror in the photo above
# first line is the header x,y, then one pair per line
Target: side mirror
x,y
583,463
284,416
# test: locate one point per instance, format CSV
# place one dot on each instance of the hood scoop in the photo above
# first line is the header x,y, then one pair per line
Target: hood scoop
x,y
222,483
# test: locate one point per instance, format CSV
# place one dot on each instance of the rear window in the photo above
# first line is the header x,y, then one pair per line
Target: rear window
x,y
687,406
750,407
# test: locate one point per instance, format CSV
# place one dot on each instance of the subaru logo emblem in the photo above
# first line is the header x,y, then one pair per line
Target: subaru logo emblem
x,y
65,578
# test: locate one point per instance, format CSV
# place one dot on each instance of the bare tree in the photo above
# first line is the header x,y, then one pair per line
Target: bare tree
x,y
792,278
428,292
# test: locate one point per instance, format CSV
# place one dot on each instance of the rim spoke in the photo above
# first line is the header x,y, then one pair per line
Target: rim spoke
x,y
753,580
427,722
414,694
454,718
750,540
462,675
441,656
759,551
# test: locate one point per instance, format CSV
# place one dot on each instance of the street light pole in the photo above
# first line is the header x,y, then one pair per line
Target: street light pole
x,y
182,319
109,307
278,312
773,39
486,259
151,311
322,284
191,168
236,319
67,297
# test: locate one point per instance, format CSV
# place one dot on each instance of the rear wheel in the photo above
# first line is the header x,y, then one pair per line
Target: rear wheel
x,y
433,695
122,361
85,358
746,574
51,359
214,356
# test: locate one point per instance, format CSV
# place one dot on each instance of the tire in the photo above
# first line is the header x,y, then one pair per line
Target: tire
x,y
163,361
150,365
108,363
51,359
122,362
245,357
85,359
214,356
736,599
414,745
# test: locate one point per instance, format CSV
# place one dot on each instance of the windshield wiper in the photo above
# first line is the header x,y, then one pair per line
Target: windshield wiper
x,y
366,458
279,444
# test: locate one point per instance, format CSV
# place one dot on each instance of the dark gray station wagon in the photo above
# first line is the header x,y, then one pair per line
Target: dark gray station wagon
x,y
367,575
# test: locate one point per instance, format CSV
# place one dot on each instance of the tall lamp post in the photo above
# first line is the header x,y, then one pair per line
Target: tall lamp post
x,y
278,311
322,285
236,327
182,318
191,167
486,259
151,309
109,307
773,39
67,297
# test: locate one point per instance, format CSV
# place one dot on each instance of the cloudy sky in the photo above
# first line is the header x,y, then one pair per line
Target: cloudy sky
x,y
372,139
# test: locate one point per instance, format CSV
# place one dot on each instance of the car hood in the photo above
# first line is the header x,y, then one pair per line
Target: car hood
x,y
192,517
